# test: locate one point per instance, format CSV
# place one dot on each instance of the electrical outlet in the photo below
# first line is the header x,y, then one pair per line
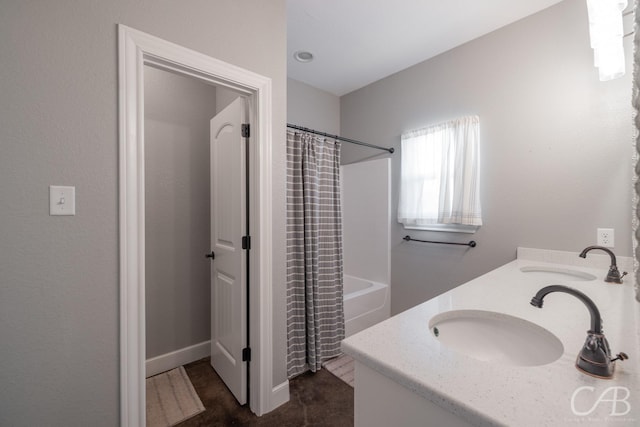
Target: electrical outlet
x,y
606,237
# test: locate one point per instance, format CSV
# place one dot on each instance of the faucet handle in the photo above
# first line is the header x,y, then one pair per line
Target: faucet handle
x,y
620,356
614,276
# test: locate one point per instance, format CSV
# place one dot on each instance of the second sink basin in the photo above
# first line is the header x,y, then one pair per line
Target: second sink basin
x,y
557,273
496,337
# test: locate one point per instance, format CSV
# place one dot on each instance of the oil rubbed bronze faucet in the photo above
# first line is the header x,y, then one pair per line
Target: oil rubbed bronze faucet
x,y
595,357
613,276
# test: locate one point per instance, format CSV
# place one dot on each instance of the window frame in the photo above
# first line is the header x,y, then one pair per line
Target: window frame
x,y
460,136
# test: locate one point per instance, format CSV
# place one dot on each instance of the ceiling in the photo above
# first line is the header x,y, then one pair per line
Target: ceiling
x,y
357,42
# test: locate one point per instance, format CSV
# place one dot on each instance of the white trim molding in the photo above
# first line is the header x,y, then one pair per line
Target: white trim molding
x,y
171,360
280,394
135,50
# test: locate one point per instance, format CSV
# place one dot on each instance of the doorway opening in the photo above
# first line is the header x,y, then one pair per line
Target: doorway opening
x,y
196,215
137,50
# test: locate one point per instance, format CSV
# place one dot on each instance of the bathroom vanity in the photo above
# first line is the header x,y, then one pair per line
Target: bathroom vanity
x,y
419,368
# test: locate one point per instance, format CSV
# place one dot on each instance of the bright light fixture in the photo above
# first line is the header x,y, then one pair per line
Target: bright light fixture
x,y
605,29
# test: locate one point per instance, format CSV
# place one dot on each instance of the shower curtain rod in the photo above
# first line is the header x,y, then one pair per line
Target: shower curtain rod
x,y
352,141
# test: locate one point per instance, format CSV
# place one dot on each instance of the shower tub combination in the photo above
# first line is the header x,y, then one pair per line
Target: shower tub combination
x,y
365,304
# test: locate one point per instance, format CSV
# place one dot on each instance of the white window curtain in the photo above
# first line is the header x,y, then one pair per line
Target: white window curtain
x,y
440,173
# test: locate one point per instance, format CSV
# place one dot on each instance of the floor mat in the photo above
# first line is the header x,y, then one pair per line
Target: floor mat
x,y
342,367
171,399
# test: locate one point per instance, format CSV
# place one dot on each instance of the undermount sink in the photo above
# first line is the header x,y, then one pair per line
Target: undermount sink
x,y
557,273
496,337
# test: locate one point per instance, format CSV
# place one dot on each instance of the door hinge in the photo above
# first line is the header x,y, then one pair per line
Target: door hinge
x,y
246,242
245,129
246,354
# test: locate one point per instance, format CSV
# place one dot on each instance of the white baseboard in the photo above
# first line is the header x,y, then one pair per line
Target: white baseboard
x,y
280,395
168,361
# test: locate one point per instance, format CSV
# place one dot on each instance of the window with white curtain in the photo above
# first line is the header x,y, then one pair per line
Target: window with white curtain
x,y
439,179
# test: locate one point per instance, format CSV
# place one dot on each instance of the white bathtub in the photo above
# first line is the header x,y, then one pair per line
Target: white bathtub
x,y
365,304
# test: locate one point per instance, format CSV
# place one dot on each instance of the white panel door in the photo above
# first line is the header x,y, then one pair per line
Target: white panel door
x,y
228,271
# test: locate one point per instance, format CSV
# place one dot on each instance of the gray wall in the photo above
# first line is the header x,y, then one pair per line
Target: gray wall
x,y
312,108
59,363
556,145
224,97
177,215
177,286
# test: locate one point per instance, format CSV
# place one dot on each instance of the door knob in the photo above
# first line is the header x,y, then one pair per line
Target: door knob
x,y
211,255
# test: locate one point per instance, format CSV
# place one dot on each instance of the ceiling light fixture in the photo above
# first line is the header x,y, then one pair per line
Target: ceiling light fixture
x,y
606,32
303,56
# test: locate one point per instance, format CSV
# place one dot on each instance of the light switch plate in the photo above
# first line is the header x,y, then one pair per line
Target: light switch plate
x,y
62,200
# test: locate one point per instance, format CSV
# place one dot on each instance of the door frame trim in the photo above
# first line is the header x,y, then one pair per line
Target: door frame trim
x,y
135,50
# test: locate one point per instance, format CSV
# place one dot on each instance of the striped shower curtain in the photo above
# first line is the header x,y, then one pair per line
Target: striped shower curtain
x,y
315,312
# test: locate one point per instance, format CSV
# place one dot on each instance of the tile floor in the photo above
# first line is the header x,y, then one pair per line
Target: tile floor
x,y
318,400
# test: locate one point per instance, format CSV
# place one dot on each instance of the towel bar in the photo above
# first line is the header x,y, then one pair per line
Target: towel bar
x,y
472,243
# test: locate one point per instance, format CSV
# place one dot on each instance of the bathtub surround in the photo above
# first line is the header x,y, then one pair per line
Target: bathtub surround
x,y
555,145
365,303
366,219
315,309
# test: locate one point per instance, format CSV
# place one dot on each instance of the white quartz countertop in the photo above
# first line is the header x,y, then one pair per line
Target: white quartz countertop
x,y
484,393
